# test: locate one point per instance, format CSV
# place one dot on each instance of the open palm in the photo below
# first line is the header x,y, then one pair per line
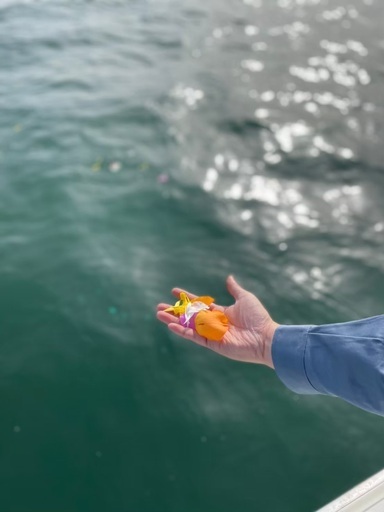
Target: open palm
x,y
250,332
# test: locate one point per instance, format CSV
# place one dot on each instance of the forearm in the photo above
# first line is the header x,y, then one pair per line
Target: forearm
x,y
344,360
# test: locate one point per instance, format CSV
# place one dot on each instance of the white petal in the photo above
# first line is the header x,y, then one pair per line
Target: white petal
x,y
194,307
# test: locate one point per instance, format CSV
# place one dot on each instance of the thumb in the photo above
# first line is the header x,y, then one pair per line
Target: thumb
x,y
234,288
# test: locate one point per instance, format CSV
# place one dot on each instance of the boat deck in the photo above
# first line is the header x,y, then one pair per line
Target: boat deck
x,y
365,497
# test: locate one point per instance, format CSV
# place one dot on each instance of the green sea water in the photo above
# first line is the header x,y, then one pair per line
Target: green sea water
x,y
146,144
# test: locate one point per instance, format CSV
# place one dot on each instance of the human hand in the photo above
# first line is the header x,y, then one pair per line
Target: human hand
x,y
251,329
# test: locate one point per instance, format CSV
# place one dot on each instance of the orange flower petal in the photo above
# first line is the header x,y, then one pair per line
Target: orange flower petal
x,y
211,324
205,300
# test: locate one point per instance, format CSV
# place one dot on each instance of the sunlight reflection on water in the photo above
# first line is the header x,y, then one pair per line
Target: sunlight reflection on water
x,y
294,110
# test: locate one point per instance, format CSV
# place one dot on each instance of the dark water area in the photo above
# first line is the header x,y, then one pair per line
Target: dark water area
x,y
146,144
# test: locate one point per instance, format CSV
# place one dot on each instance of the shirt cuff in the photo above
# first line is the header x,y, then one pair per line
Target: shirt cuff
x,y
288,356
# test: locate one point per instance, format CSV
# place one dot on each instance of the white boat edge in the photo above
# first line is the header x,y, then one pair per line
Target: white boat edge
x,y
368,496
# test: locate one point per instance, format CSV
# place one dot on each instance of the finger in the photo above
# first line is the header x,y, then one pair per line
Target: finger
x,y
162,306
188,334
234,288
215,307
176,292
166,318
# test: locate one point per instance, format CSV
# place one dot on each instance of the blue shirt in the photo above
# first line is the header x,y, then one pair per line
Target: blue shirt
x,y
344,360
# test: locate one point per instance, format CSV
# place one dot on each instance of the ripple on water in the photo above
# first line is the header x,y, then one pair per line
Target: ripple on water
x,y
150,143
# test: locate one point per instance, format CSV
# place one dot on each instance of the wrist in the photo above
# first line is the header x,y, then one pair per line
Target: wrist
x,y
269,334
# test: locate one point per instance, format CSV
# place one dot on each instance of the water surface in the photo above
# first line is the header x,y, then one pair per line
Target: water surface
x,y
150,144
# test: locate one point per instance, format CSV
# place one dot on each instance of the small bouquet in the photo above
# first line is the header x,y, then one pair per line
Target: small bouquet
x,y
197,315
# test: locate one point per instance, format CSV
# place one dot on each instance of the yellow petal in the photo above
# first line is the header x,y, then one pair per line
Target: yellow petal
x,y
180,306
179,310
184,297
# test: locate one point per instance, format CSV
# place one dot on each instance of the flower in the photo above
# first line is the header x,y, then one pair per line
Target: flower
x,y
195,313
181,305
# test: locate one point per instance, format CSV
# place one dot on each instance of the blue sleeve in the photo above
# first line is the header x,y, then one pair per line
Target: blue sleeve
x,y
344,360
